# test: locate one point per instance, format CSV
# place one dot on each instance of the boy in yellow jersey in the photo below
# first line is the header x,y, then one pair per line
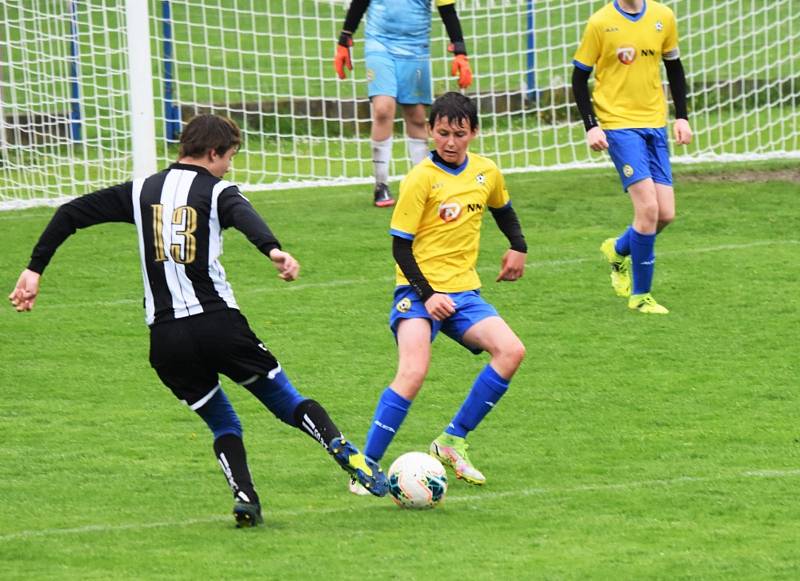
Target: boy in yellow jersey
x,y
436,232
626,41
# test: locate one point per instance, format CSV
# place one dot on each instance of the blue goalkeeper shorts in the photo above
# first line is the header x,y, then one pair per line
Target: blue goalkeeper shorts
x,y
639,154
408,80
470,309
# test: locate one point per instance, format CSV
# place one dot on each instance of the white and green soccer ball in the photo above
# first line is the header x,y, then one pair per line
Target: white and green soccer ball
x,y
417,481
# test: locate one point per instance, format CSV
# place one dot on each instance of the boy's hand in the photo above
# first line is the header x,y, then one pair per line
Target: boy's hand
x,y
440,306
288,267
596,138
512,266
24,294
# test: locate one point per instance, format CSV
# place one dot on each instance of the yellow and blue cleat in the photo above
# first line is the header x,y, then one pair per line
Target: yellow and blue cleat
x,y
452,451
247,514
645,303
365,471
620,268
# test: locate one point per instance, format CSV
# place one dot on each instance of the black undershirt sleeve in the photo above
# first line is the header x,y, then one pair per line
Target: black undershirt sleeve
x,y
580,89
508,222
236,211
404,257
354,15
453,27
677,86
114,204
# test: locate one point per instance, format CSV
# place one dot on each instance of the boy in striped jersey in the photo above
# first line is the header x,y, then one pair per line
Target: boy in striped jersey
x,y
196,329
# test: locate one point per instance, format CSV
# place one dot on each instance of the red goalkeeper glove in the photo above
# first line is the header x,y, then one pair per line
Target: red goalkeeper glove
x,y
342,58
461,68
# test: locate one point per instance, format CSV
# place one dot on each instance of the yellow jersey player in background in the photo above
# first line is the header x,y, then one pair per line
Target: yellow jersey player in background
x,y
436,233
624,43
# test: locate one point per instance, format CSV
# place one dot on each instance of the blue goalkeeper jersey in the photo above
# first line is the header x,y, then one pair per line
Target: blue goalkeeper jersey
x,y
400,27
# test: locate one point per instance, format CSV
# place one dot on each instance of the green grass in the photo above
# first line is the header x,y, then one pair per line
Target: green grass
x,y
628,447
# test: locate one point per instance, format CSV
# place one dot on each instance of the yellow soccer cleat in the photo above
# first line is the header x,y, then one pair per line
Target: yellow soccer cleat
x,y
620,268
645,303
452,451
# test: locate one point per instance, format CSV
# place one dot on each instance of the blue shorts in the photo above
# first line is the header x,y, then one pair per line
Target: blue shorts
x,y
408,80
639,154
470,309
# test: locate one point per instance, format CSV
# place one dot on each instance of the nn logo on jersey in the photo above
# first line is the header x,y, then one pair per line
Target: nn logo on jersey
x,y
626,54
449,211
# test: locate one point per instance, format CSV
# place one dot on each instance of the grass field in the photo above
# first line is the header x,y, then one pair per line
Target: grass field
x,y
628,447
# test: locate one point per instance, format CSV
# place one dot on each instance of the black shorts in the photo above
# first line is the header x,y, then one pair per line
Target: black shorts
x,y
188,354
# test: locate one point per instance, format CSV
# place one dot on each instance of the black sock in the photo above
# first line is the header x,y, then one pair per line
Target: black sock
x,y
312,419
232,458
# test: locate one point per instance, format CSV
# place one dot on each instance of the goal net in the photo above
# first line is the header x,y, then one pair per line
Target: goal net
x,y
65,89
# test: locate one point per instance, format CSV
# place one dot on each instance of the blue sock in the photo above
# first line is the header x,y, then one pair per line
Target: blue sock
x,y
278,394
220,416
643,260
487,390
623,243
390,412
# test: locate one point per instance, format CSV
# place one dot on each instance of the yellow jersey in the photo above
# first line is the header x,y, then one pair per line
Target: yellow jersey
x,y
627,51
441,210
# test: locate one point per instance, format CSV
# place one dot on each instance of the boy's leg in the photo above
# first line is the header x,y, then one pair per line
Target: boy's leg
x,y
494,336
221,418
414,352
416,133
278,394
642,240
382,91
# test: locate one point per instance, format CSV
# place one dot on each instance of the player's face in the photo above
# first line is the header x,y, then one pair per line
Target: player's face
x,y
220,164
452,140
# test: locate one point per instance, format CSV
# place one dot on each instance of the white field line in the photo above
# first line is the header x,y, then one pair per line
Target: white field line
x,y
388,279
471,499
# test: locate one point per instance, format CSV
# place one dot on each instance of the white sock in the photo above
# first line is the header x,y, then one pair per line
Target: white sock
x,y
381,154
417,149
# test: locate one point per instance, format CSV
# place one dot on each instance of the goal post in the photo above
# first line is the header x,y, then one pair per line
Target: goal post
x,y
268,64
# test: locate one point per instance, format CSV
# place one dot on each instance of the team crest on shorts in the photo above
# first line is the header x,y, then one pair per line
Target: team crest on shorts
x,y
627,170
370,75
404,305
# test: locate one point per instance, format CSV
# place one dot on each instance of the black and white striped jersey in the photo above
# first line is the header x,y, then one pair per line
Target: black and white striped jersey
x,y
179,214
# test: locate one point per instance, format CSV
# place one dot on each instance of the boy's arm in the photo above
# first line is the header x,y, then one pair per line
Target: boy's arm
x,y
114,204
342,57
404,257
237,212
595,136
513,264
460,66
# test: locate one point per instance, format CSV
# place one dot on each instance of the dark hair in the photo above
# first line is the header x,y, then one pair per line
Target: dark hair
x,y
207,132
456,108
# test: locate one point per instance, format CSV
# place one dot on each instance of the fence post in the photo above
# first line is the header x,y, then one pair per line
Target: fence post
x,y
143,126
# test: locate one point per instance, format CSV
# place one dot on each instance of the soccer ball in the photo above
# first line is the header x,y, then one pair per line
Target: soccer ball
x,y
417,480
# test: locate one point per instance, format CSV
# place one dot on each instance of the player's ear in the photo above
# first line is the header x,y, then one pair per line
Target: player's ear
x,y
429,128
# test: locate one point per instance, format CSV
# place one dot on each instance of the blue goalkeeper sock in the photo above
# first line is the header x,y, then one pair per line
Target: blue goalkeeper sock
x,y
643,260
487,390
623,243
390,412
278,394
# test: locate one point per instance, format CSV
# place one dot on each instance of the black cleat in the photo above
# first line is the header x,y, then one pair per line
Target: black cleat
x,y
247,514
383,197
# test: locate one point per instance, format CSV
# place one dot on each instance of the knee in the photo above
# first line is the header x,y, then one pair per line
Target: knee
x,y
382,114
512,355
665,219
409,380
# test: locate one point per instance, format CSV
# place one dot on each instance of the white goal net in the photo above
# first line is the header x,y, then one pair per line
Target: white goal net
x,y
65,87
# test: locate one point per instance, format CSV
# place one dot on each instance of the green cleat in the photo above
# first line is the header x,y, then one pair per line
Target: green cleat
x,y
620,268
452,451
645,303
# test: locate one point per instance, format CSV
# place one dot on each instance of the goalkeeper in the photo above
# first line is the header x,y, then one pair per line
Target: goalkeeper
x,y
397,52
626,41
